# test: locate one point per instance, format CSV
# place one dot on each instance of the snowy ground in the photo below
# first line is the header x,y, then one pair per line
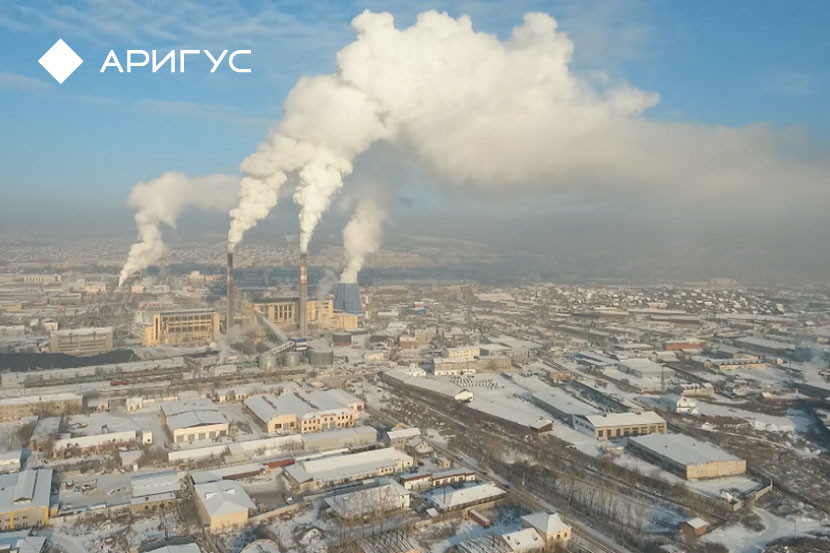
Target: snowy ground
x,y
740,539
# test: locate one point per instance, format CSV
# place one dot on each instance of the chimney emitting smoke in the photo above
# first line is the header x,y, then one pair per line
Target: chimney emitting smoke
x,y
301,316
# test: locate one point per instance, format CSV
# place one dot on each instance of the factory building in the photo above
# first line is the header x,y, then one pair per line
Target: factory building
x,y
14,408
293,412
283,312
347,298
620,425
81,341
182,327
686,456
25,499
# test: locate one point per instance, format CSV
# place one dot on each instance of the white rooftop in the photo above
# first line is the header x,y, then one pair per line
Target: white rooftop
x,y
223,497
546,523
625,419
683,449
450,498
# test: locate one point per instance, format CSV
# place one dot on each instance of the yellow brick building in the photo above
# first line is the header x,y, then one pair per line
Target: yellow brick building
x,y
182,327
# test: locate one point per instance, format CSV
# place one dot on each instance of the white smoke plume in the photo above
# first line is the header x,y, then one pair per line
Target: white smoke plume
x,y
361,236
326,284
506,115
161,201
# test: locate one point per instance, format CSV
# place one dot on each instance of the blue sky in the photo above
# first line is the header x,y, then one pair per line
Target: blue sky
x,y
82,145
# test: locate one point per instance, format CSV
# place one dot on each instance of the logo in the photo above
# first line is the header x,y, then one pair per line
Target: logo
x,y
60,61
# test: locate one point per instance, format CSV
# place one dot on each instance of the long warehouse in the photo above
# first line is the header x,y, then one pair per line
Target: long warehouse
x,y
686,456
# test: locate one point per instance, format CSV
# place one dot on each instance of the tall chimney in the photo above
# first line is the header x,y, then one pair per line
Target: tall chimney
x,y
301,316
229,318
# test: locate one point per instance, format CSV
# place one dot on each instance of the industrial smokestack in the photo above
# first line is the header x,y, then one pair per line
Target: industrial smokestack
x,y
301,316
229,318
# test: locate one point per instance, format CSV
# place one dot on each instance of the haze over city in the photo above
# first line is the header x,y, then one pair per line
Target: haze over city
x,y
413,277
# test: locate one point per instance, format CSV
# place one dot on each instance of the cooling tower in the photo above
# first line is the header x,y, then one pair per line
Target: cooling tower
x,y
347,298
229,316
302,315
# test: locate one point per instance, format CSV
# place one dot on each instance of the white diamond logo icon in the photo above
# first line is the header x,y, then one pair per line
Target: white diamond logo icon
x,y
60,61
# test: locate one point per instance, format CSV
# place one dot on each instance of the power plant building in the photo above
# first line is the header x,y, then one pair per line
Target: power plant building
x,y
687,457
181,327
284,313
81,341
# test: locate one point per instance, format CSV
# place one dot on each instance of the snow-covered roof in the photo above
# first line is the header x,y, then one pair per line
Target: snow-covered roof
x,y
403,433
24,490
683,449
523,540
223,497
451,498
546,523
349,465
624,419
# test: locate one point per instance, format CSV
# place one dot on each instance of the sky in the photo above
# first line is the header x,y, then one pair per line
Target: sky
x,y
70,153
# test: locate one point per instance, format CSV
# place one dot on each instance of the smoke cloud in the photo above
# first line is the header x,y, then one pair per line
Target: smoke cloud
x,y
361,236
508,116
162,201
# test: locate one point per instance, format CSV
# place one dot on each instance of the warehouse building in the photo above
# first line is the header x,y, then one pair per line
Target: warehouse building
x,y
687,457
376,498
454,499
304,412
190,420
563,405
620,425
14,408
155,490
222,504
25,499
315,474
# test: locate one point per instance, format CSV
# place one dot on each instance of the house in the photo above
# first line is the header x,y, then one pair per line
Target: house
x,y
419,447
549,525
679,404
